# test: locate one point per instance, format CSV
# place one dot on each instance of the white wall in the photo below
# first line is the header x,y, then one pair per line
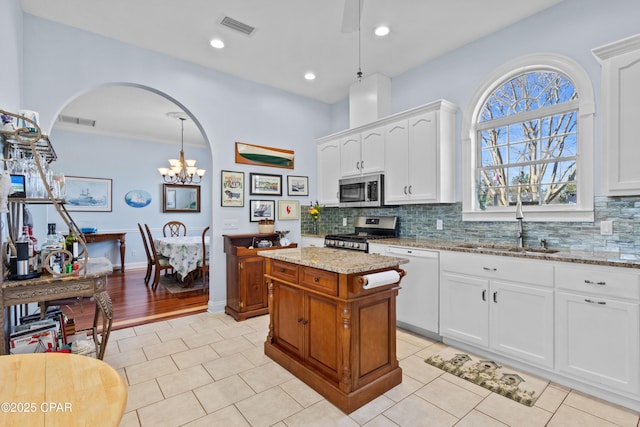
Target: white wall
x,y
572,28
11,68
63,62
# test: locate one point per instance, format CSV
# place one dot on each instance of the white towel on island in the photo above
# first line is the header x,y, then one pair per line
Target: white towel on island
x,y
381,279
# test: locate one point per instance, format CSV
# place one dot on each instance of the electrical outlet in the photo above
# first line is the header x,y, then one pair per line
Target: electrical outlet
x,y
606,228
439,224
344,222
230,224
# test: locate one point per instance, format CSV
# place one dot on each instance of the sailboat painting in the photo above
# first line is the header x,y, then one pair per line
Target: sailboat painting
x,y
264,156
137,198
88,194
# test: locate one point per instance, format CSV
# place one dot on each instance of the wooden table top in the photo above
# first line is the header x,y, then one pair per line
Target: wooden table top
x,y
57,389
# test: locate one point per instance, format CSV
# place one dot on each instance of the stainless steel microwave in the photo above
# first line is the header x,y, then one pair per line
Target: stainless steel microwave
x,y
361,191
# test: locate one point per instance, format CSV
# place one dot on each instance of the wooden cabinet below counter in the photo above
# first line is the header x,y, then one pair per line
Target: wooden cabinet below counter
x,y
246,289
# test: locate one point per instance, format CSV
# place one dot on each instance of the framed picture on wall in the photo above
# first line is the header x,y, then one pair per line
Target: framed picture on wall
x,y
288,210
297,185
262,209
88,194
265,184
232,191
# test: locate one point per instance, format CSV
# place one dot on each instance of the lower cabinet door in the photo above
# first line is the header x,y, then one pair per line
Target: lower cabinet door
x,y
287,322
254,291
598,340
464,308
321,334
521,322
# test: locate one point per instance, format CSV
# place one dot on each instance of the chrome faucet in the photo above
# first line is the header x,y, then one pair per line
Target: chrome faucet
x,y
520,228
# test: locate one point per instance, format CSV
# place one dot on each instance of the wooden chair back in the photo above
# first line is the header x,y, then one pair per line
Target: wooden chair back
x,y
174,229
204,265
159,263
150,261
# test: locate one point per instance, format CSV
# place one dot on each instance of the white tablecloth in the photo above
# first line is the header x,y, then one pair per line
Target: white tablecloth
x,y
183,252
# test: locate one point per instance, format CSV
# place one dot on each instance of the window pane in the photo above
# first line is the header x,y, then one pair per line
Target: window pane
x,y
531,159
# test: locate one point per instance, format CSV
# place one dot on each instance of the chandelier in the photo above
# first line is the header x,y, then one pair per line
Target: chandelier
x,y
181,171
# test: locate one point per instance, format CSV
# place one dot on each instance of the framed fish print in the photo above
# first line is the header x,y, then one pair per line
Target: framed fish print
x,y
232,191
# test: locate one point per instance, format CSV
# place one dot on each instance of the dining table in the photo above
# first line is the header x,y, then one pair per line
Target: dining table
x,y
58,389
183,252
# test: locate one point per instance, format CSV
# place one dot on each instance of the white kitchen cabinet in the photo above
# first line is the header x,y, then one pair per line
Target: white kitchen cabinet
x,y
598,326
620,82
498,303
362,153
419,151
328,172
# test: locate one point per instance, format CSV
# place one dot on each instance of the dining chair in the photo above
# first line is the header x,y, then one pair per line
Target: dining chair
x,y
203,264
174,229
159,262
147,276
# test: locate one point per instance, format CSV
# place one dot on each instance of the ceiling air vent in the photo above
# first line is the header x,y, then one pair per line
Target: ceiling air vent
x,y
237,26
76,121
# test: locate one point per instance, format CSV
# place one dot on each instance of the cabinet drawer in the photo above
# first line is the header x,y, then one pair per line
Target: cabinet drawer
x,y
320,280
515,269
606,281
284,270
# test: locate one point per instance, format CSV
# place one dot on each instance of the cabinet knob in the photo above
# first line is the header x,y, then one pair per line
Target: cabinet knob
x,y
316,279
590,301
282,270
484,295
410,189
489,269
495,296
300,319
304,322
405,189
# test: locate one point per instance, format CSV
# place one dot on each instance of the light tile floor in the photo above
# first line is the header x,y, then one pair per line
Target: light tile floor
x,y
209,370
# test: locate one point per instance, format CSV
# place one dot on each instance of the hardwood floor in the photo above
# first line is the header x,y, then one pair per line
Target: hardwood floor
x,y
136,304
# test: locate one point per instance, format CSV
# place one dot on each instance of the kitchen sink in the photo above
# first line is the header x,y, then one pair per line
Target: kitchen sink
x,y
499,248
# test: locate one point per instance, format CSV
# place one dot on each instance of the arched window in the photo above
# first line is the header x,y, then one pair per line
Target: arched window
x,y
528,142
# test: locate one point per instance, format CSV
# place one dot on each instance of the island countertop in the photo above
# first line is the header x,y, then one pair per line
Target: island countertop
x,y
335,260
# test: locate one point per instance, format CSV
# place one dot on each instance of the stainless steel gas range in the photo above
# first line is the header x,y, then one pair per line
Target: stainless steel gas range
x,y
367,228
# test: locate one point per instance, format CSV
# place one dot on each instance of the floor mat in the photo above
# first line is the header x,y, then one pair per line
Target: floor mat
x,y
508,382
172,285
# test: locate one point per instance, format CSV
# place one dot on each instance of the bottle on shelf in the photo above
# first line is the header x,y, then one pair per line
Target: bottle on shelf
x,y
52,244
71,244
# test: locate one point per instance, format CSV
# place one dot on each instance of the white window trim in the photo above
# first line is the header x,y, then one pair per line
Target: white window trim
x,y
583,210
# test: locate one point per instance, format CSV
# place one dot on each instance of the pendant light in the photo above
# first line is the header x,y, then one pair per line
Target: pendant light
x,y
181,171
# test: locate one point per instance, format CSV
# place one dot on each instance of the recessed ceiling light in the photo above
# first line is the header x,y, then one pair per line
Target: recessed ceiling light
x,y
217,43
310,76
381,31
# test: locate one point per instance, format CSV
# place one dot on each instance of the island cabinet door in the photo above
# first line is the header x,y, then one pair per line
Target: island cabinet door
x,y
321,330
287,317
373,338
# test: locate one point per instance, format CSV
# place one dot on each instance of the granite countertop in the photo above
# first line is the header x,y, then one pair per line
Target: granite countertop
x,y
560,254
335,260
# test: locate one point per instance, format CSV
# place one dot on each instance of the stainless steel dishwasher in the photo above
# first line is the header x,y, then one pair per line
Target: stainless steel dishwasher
x,y
417,305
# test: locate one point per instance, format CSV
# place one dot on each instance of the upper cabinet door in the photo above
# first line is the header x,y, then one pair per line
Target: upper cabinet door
x,y
424,170
372,150
396,177
350,155
328,172
620,88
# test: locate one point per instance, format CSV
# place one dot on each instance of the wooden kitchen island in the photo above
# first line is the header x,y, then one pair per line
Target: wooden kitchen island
x,y
333,321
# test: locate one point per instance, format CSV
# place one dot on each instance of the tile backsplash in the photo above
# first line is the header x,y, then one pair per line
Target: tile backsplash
x,y
419,221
